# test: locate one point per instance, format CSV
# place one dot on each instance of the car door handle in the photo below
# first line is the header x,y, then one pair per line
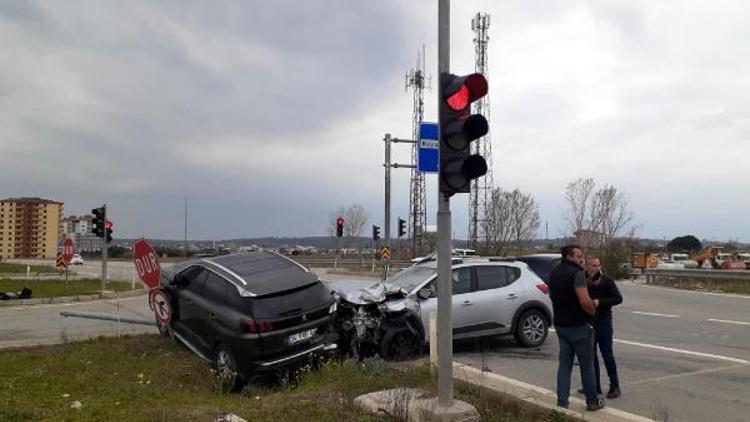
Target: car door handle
x,y
511,296
467,303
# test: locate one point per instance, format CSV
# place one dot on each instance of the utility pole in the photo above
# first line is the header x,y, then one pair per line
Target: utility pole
x,y
445,293
186,244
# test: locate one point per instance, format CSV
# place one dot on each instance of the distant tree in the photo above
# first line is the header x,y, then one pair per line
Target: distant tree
x,y
513,218
578,197
355,219
687,243
610,213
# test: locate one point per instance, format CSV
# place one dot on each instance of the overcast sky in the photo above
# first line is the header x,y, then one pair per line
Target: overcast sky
x,y
269,115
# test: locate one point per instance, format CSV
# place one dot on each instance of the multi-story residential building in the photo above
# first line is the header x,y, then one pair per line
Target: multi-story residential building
x,y
30,227
79,228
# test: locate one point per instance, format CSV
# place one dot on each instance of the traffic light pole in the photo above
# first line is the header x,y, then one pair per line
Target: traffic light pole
x,y
387,219
444,325
105,246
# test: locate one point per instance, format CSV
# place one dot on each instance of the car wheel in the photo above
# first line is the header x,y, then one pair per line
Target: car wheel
x,y
399,344
227,373
531,328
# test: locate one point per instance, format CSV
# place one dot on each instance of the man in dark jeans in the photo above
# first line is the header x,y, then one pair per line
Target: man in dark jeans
x,y
573,312
604,292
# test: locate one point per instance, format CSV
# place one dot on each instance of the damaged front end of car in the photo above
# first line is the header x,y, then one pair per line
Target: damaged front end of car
x,y
381,320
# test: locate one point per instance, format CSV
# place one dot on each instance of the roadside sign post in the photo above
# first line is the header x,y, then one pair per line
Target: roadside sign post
x,y
67,255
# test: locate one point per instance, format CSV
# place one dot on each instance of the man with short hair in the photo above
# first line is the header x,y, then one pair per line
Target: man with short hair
x,y
573,312
605,294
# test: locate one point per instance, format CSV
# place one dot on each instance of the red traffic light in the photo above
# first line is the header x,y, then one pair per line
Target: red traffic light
x,y
460,92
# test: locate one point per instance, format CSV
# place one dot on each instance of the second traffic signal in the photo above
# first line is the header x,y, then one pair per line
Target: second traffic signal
x,y
401,227
98,221
458,127
375,232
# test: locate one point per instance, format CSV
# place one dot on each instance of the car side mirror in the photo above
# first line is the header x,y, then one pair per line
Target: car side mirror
x,y
424,293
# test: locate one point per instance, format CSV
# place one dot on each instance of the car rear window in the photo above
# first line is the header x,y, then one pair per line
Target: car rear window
x,y
496,276
290,302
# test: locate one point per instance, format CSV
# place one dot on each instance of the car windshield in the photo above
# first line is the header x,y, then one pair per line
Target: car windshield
x,y
411,277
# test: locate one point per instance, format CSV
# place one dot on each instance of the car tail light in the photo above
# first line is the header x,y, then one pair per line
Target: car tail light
x,y
543,287
254,327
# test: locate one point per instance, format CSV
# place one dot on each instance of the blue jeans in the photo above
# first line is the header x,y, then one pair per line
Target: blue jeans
x,y
576,341
603,338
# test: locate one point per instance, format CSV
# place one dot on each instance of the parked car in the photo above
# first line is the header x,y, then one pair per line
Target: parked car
x,y
249,312
491,296
77,259
542,264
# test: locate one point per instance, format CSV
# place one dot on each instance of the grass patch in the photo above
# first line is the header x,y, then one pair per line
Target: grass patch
x,y
149,378
6,268
57,288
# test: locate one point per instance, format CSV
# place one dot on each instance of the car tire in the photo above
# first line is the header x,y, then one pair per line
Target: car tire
x,y
400,344
531,328
228,376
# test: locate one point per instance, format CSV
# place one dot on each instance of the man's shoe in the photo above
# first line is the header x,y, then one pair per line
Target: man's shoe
x,y
594,405
614,393
582,391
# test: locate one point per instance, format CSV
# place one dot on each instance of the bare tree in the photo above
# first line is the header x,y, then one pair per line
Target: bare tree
x,y
355,220
513,217
578,198
524,217
611,214
498,222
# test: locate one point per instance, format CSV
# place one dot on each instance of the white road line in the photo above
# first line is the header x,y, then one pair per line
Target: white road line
x,y
682,351
655,314
674,350
729,321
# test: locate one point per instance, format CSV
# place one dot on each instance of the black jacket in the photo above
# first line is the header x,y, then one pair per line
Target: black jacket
x,y
567,309
608,295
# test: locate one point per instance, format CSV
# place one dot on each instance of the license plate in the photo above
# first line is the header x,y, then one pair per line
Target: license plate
x,y
301,336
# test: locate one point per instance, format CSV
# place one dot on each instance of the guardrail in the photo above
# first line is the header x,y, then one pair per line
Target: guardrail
x,y
734,281
346,262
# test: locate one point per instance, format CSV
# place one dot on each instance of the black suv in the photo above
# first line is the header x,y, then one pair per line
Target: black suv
x,y
249,312
542,264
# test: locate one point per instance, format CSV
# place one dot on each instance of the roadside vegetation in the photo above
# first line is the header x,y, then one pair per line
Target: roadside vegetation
x,y
58,288
149,378
7,268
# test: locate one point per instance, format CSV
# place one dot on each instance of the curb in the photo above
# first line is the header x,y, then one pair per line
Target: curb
x,y
107,294
538,396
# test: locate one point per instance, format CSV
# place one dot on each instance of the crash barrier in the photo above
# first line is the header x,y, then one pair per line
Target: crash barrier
x,y
733,281
108,317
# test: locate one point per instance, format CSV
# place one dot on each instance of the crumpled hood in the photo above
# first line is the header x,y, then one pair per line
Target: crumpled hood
x,y
362,292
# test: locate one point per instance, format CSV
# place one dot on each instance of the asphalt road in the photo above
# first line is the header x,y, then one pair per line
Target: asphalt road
x,y
682,356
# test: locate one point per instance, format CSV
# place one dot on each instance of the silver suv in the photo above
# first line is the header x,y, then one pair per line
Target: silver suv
x,y
491,296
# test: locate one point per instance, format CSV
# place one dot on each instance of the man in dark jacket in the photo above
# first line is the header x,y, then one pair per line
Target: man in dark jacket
x,y
605,294
573,313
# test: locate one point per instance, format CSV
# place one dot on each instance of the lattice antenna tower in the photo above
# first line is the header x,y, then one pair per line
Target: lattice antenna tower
x,y
481,188
417,81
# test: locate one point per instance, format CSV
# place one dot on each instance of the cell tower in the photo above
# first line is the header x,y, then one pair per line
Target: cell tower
x,y
415,79
481,188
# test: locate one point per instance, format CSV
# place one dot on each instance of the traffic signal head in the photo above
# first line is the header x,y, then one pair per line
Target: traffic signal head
x,y
108,238
98,221
339,227
375,232
401,227
458,128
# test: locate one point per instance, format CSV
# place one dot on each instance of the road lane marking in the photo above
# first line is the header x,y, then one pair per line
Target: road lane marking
x,y
675,350
683,351
656,314
729,321
685,374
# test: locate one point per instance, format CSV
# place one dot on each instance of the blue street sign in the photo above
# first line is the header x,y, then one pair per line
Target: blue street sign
x,y
428,157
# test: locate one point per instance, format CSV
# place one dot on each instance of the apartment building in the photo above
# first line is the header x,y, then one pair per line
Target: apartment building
x,y
30,227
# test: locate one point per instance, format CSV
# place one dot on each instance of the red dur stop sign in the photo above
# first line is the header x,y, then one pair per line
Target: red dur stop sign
x,y
146,263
